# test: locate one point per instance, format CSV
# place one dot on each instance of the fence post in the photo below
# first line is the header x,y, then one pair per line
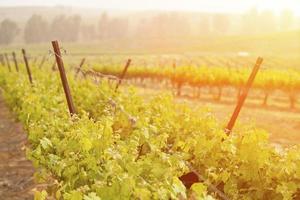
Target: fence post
x,y
123,74
79,68
54,66
174,64
15,61
7,62
34,61
42,62
27,65
2,59
63,77
243,96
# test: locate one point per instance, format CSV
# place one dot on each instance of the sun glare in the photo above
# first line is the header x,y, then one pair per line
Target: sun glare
x,y
149,99
228,6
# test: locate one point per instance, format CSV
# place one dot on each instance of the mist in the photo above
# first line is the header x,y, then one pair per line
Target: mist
x,y
41,24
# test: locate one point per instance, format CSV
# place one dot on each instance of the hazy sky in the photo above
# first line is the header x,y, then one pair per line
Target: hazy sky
x,y
190,5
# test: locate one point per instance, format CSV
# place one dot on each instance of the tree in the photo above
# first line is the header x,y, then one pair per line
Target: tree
x,y
142,29
204,25
249,22
66,28
112,27
73,27
8,31
267,22
88,32
36,30
59,28
221,23
177,25
104,26
118,28
286,20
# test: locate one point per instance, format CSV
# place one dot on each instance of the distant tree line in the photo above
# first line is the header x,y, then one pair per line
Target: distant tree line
x,y
162,25
38,30
8,31
64,28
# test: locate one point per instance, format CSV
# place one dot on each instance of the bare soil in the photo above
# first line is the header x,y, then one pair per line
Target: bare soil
x,y
16,172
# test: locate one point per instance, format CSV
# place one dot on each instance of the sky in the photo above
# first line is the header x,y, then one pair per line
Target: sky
x,y
235,6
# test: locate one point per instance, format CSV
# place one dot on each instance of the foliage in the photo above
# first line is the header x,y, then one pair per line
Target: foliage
x,y
8,31
36,30
119,146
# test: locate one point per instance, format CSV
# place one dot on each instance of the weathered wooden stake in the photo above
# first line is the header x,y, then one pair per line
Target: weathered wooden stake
x,y
243,96
123,74
15,61
27,65
79,68
7,61
54,66
42,62
2,59
63,77
34,61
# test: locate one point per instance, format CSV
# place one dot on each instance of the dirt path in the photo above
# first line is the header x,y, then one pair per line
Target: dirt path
x,y
16,172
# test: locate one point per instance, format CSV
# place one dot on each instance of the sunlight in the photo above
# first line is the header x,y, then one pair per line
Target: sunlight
x,y
149,99
228,6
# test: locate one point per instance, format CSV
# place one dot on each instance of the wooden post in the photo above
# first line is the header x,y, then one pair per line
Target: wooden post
x,y
27,65
174,64
7,62
123,74
79,68
15,61
34,61
54,66
243,96
63,77
42,62
2,59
